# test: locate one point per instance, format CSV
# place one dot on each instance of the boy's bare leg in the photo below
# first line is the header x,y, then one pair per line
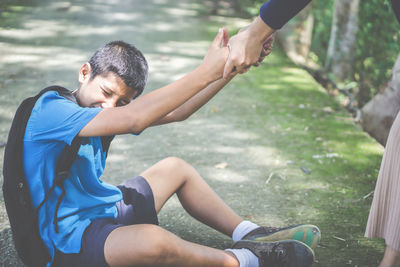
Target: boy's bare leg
x,y
151,245
391,258
173,175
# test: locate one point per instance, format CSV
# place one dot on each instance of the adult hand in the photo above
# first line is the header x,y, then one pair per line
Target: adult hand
x,y
246,47
267,49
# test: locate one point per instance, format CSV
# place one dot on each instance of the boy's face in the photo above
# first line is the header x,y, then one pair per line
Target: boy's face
x,y
104,91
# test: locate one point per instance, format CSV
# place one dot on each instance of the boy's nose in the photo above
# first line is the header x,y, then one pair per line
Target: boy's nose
x,y
110,103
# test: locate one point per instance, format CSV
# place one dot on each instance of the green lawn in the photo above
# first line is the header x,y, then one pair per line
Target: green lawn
x,y
314,134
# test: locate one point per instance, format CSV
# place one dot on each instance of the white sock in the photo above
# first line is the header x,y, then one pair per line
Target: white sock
x,y
245,257
243,229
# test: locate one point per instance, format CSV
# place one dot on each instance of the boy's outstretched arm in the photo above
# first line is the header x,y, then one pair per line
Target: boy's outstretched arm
x,y
196,102
193,104
151,107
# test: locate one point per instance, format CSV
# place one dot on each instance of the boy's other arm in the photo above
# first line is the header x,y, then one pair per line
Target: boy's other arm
x,y
151,107
193,104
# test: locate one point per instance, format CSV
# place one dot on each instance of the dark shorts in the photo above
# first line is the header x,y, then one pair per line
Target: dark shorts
x,y
137,207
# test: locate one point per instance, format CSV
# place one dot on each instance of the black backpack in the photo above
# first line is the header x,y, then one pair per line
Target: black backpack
x,y
22,215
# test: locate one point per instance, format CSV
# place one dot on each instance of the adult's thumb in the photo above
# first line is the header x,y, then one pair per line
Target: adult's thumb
x,y
228,68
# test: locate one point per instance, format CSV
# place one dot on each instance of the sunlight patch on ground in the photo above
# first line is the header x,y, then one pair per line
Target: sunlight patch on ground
x,y
294,79
304,184
190,48
34,29
225,175
240,135
112,158
89,30
231,23
172,70
267,156
42,57
6,112
371,148
227,149
125,17
180,12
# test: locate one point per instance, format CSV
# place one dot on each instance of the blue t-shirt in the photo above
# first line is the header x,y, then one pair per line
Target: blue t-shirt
x,y
54,122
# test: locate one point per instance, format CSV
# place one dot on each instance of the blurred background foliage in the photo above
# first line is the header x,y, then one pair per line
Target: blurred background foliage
x,y
376,47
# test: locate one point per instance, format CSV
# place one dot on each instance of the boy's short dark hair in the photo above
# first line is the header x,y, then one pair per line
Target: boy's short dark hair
x,y
122,59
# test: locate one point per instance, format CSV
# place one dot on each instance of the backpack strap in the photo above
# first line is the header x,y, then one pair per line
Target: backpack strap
x,y
69,153
106,142
64,164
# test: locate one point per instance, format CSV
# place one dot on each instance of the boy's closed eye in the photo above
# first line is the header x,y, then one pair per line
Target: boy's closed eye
x,y
105,92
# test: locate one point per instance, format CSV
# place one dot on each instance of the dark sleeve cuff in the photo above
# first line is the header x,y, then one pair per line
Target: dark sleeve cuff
x,y
277,13
396,9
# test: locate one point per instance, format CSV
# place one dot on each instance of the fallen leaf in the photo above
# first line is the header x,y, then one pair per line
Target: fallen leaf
x,y
214,109
328,109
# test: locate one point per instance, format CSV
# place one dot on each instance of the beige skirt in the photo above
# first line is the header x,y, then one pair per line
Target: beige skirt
x,y
384,216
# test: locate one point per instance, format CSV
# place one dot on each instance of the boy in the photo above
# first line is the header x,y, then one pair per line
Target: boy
x,y
97,224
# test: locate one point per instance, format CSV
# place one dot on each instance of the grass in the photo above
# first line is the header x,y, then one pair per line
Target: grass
x,y
309,128
12,10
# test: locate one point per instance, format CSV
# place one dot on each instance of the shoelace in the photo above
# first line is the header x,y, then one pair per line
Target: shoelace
x,y
276,256
271,229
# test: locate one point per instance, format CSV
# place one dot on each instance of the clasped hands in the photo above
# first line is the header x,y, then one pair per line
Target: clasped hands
x,y
230,56
246,50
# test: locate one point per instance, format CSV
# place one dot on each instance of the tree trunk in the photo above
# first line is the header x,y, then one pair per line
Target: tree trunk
x,y
379,113
343,39
296,36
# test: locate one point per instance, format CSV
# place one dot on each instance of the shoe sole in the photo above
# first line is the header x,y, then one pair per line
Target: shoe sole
x,y
306,233
304,255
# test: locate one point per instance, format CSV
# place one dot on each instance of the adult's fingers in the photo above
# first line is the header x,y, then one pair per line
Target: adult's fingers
x,y
229,66
244,70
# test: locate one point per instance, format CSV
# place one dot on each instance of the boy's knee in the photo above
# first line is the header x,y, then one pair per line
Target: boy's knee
x,y
159,249
141,245
176,164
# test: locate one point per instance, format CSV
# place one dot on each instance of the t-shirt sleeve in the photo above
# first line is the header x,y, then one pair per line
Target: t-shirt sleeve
x,y
58,119
277,13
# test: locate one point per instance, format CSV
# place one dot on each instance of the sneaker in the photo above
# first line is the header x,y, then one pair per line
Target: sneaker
x,y
286,253
308,234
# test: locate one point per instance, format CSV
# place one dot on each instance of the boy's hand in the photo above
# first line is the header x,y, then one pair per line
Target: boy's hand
x,y
215,59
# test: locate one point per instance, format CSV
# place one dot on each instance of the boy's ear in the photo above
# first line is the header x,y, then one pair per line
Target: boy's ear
x,y
84,72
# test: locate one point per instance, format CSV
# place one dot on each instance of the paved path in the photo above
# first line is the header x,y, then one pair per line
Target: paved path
x,y
51,41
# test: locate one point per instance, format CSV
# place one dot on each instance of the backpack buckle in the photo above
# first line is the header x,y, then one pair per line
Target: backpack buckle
x,y
61,176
